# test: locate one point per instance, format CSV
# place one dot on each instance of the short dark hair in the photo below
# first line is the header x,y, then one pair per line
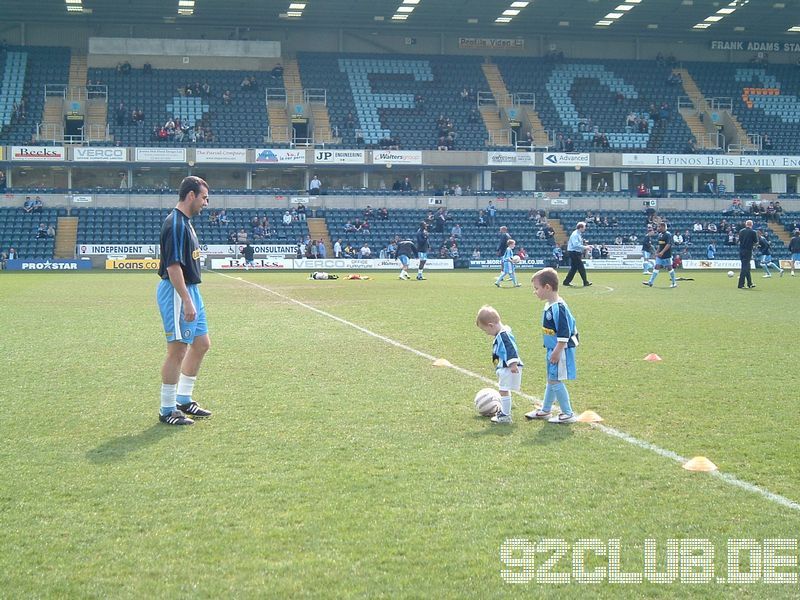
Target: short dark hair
x,y
192,183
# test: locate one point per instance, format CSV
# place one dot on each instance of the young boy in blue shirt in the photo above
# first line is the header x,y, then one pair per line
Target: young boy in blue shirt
x,y
560,336
505,356
509,267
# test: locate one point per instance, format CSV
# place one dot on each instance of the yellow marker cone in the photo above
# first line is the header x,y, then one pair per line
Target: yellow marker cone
x,y
589,416
652,358
700,463
442,362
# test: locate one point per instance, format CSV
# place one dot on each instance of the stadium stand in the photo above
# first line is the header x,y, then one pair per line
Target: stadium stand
x,y
605,93
18,230
405,223
27,69
381,93
143,225
761,96
678,221
241,123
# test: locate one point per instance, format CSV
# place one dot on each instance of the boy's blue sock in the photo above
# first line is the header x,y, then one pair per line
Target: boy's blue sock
x,y
549,397
500,279
514,278
505,404
672,275
653,276
562,394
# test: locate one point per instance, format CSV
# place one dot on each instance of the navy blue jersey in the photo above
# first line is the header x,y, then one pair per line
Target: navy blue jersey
x,y
504,349
647,245
406,248
764,247
179,245
422,240
665,244
794,245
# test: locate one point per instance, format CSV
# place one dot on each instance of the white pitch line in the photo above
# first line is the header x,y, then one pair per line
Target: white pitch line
x,y
726,477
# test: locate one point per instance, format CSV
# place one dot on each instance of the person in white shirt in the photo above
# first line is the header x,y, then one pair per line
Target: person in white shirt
x,y
365,251
315,186
337,249
287,218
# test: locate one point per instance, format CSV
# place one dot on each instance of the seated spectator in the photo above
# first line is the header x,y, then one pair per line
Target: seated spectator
x,y
349,227
277,71
41,233
241,237
476,254
368,213
604,251
712,227
348,251
711,251
452,251
365,252
383,214
27,207
301,212
223,217
677,239
633,238
677,262
365,226
287,218
697,226
38,205
227,97
618,240
259,235
595,252
51,231
482,219
455,231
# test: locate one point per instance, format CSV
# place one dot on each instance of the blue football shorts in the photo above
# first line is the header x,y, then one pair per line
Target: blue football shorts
x,y
564,368
403,260
665,263
171,307
423,256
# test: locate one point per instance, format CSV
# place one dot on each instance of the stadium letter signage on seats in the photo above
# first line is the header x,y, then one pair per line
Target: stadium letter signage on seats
x,y
340,157
220,155
565,159
100,154
368,102
714,161
38,153
490,43
517,159
275,156
161,155
755,46
399,157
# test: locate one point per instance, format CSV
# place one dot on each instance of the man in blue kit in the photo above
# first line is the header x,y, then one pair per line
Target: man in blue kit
x,y
663,256
182,309
422,249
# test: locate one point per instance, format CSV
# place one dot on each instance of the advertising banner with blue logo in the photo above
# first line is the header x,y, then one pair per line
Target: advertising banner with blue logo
x,y
494,264
48,265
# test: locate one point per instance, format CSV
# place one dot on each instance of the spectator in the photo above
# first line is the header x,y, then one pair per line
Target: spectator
x,y
322,252
227,97
365,252
337,248
41,233
368,213
2,181
13,254
241,237
38,205
287,218
455,231
276,72
51,231
406,185
677,262
223,217
315,187
27,207
697,226
491,213
383,214
476,254
711,251
604,251
482,219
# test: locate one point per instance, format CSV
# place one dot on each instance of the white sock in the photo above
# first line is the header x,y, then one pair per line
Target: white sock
x,y
168,391
185,388
505,405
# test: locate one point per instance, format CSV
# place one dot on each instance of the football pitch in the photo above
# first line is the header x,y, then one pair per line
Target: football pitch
x,y
341,463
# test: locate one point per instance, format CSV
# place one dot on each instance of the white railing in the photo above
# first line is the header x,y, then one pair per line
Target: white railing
x,y
275,96
722,103
500,137
316,96
277,132
524,99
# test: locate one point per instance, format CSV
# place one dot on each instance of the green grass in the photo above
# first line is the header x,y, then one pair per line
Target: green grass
x,y
337,465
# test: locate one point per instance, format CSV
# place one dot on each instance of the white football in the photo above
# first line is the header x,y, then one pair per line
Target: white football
x,y
487,402
515,259
730,273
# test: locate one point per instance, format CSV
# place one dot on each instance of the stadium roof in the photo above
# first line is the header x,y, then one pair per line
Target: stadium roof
x,y
765,20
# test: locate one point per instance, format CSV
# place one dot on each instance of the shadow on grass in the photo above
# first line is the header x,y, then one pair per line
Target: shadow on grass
x,y
119,447
550,433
